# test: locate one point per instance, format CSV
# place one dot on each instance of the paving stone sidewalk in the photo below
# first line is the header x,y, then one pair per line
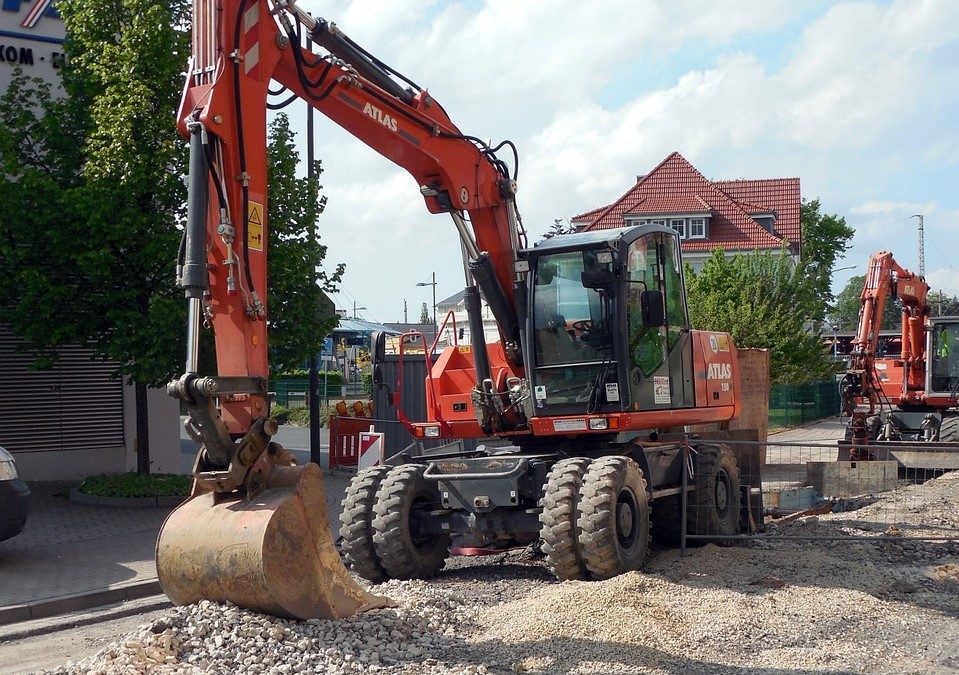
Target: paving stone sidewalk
x,y
74,552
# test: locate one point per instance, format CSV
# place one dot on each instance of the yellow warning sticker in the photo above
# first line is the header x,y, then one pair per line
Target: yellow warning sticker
x,y
722,341
254,227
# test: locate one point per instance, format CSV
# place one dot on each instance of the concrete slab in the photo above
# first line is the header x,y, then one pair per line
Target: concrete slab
x,y
851,479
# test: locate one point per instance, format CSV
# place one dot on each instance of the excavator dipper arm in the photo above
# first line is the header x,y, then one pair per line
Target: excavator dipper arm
x,y
884,278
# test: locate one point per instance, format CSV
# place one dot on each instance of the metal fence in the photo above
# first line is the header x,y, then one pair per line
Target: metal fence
x,y
793,405
737,490
293,391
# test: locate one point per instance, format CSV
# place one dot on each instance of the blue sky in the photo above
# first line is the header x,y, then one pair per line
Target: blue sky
x,y
858,99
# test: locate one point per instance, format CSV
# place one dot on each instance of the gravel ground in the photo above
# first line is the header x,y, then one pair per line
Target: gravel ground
x,y
771,606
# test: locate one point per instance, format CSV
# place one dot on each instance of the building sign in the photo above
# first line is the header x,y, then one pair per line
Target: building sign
x,y
31,37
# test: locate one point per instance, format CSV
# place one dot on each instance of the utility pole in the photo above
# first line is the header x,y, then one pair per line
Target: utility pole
x,y
406,318
314,383
922,246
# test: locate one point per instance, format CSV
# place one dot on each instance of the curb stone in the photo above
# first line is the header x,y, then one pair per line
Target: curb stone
x,y
79,601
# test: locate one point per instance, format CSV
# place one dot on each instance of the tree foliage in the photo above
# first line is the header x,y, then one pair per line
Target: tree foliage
x,y
424,314
559,226
94,196
99,181
825,239
845,314
295,301
764,301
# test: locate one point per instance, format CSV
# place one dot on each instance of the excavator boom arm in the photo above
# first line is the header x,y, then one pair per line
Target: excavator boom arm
x,y
239,47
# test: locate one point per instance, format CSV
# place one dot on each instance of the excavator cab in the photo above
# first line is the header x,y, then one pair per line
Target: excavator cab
x,y
943,351
608,323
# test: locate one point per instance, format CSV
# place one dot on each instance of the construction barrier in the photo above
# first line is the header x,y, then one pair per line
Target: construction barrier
x,y
814,491
345,439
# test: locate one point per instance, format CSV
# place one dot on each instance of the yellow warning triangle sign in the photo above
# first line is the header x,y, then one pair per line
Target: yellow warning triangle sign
x,y
255,214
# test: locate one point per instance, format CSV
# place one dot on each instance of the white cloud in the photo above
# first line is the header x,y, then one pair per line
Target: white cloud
x,y
535,71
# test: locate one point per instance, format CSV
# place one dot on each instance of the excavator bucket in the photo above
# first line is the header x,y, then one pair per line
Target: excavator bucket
x,y
271,553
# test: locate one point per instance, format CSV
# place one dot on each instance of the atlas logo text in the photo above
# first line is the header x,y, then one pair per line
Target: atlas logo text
x,y
719,371
380,116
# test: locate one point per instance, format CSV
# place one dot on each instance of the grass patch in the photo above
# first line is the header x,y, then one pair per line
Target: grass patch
x,y
137,485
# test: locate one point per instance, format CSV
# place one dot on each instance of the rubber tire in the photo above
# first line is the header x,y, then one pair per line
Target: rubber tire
x,y
356,524
949,429
402,557
605,483
703,516
667,520
558,519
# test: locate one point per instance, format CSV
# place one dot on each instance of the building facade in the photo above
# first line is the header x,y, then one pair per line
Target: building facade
x,y
31,38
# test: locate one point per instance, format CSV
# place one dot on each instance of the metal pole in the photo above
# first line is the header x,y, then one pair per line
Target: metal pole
x,y
314,399
684,499
435,326
922,246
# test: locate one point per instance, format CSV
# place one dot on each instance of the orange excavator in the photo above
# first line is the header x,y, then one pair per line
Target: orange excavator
x,y
595,357
905,399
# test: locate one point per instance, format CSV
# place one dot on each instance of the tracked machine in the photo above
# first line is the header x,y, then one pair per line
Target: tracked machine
x,y
595,357
908,401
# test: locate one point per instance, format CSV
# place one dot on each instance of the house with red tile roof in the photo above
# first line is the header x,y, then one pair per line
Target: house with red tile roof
x,y
737,215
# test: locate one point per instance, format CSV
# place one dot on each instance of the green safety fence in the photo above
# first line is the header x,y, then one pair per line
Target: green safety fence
x,y
792,405
292,391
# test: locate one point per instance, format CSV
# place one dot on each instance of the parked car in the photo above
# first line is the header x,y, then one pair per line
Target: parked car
x,y
14,498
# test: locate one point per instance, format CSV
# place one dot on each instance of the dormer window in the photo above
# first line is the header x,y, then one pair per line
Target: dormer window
x,y
688,227
765,220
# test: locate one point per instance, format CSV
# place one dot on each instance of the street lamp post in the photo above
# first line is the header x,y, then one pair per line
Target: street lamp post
x,y
433,284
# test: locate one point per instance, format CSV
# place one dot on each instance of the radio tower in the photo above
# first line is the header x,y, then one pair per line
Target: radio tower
x,y
922,247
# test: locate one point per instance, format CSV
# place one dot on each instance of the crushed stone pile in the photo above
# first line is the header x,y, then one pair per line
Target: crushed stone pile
x,y
221,638
772,605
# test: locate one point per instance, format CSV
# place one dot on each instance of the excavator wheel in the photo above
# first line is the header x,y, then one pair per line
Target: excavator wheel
x,y
949,429
614,523
406,548
356,524
558,518
269,550
714,502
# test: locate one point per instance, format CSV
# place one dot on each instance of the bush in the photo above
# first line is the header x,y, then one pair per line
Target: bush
x,y
368,384
299,415
280,413
137,485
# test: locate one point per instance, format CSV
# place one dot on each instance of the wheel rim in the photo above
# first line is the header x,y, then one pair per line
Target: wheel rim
x,y
627,519
722,489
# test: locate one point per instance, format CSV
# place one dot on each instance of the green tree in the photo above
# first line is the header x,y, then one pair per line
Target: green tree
x,y
295,296
764,301
559,226
424,314
845,314
99,267
94,200
825,239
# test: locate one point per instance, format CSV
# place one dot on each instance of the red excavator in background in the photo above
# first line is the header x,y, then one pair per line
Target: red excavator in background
x,y
912,398
595,357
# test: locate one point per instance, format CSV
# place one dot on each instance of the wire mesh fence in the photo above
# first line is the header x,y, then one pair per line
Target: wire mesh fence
x,y
813,491
793,405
